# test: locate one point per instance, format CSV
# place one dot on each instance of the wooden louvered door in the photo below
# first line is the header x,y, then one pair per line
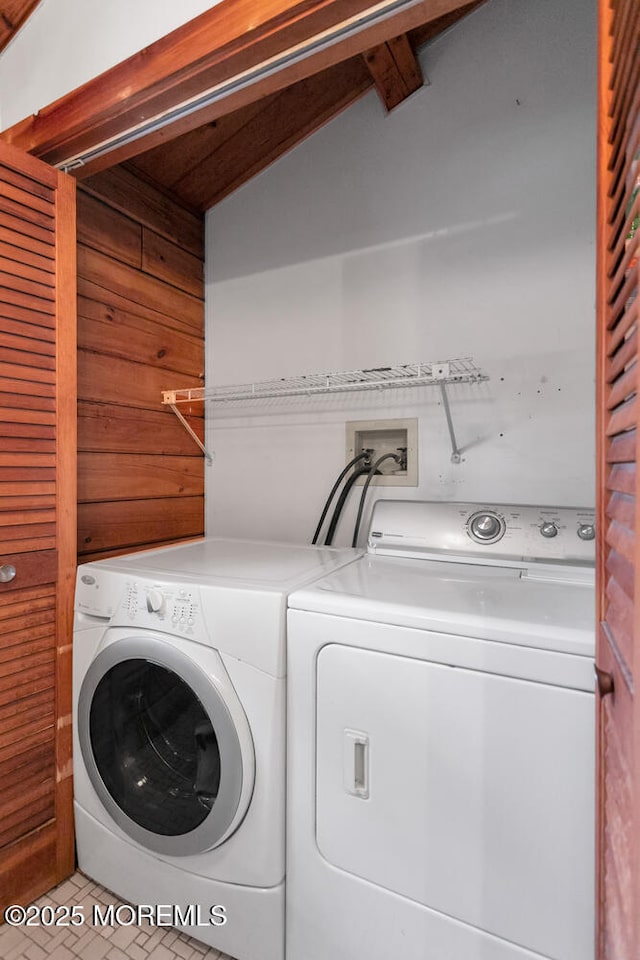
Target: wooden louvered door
x,y
618,645
37,522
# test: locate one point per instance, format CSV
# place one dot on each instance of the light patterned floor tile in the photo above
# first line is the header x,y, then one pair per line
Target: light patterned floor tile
x,y
89,942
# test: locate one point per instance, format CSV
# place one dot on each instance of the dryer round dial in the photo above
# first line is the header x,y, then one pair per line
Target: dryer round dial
x,y
586,531
486,527
548,529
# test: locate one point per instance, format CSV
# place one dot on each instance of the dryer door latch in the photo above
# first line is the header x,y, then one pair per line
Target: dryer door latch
x,y
356,763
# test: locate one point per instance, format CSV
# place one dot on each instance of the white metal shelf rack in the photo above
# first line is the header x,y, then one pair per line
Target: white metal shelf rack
x,y
440,374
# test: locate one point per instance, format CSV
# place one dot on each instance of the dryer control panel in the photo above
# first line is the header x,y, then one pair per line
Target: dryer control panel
x,y
492,532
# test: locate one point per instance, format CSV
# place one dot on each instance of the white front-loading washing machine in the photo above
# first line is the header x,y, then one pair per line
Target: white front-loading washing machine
x,y
441,740
179,732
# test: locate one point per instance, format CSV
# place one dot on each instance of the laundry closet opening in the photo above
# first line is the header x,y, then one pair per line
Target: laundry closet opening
x,y
445,211
141,276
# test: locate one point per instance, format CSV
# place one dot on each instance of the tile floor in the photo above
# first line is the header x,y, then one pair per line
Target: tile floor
x,y
95,942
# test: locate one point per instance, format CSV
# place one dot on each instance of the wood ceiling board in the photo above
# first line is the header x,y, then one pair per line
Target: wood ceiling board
x,y
232,37
283,122
195,166
170,162
13,14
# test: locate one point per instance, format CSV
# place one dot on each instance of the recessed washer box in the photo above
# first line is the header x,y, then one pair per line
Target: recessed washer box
x,y
386,436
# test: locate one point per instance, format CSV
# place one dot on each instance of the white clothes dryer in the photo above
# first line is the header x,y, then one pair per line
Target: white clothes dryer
x,y
179,732
441,740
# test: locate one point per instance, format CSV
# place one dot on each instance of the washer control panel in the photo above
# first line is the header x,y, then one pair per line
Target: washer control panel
x,y
519,532
172,606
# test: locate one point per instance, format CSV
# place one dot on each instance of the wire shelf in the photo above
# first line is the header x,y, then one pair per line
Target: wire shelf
x,y
351,381
439,374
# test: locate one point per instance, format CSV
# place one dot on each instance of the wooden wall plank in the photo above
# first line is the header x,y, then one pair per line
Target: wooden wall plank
x,y
113,300
125,192
108,476
140,329
112,331
185,310
168,261
112,380
116,429
108,230
138,523
120,551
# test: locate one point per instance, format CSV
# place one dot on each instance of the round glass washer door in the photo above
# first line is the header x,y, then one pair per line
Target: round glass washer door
x,y
161,747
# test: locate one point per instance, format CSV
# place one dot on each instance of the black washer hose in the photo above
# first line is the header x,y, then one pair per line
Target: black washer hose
x,y
346,490
361,456
372,471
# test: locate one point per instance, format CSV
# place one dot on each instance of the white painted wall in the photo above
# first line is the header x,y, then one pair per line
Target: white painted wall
x,y
67,42
461,224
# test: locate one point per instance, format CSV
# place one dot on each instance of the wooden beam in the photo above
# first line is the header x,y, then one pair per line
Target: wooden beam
x,y
13,14
218,47
395,70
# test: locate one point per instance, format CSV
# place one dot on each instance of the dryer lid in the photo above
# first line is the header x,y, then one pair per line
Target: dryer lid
x,y
484,602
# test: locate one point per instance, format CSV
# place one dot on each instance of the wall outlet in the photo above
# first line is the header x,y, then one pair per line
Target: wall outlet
x,y
385,436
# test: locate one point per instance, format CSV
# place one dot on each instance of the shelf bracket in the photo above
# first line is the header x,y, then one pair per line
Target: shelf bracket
x,y
190,430
456,456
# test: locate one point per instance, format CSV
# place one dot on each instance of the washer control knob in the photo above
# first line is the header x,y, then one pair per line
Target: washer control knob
x,y
549,529
155,601
486,527
586,531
